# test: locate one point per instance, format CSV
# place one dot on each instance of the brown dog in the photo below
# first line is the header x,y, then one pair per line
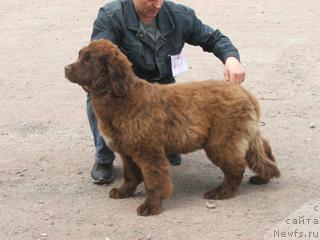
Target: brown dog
x,y
145,122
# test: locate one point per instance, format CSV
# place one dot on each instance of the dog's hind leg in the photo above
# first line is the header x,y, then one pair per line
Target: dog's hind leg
x,y
230,158
155,168
132,178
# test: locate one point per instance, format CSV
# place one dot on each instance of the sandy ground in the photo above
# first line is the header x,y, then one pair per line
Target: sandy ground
x,y
46,148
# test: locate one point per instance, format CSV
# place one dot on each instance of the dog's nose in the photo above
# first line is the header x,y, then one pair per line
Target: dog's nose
x,y
67,68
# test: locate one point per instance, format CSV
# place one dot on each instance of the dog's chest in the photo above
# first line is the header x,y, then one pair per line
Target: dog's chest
x,y
106,139
110,138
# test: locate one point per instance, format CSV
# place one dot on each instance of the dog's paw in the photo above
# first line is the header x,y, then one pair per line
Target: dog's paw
x,y
116,194
146,209
257,180
219,193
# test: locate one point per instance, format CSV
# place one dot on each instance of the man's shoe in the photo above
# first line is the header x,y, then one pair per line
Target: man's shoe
x,y
102,173
175,159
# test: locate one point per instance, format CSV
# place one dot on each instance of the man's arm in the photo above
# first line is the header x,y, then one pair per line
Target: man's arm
x,y
103,27
220,45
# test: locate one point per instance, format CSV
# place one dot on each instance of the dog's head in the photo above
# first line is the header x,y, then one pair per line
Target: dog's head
x,y
101,67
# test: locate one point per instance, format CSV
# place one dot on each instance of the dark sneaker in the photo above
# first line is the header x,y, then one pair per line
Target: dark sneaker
x,y
102,173
175,159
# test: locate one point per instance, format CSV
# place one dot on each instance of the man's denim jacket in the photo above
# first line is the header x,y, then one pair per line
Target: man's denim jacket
x,y
119,22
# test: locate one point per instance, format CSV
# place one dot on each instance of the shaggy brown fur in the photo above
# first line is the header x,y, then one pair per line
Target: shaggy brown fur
x,y
145,122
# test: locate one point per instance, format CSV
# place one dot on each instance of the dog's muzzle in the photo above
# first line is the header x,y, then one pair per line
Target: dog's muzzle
x,y
67,70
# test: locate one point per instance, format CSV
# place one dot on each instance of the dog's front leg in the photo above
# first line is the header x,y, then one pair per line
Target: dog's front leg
x,y
132,178
156,173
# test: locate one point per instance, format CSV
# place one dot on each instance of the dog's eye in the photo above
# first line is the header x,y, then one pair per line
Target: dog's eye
x,y
87,58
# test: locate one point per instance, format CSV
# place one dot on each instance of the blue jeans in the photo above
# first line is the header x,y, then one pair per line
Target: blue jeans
x,y
103,154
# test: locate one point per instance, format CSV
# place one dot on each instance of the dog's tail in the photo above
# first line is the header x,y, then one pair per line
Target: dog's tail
x,y
260,160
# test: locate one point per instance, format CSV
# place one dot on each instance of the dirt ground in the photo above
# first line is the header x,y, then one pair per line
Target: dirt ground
x,y
46,148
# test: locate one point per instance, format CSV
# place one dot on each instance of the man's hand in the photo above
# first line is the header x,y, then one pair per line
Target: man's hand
x,y
233,70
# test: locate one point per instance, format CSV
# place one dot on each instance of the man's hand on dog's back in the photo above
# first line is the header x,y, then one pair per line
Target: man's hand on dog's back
x,y
233,70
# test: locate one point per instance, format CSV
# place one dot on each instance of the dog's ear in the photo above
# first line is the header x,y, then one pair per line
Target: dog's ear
x,y
119,79
99,83
118,72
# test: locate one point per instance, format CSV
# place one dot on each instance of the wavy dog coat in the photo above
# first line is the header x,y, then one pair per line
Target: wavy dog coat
x,y
145,122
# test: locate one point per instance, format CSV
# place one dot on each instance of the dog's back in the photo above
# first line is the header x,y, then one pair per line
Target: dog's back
x,y
195,110
216,98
